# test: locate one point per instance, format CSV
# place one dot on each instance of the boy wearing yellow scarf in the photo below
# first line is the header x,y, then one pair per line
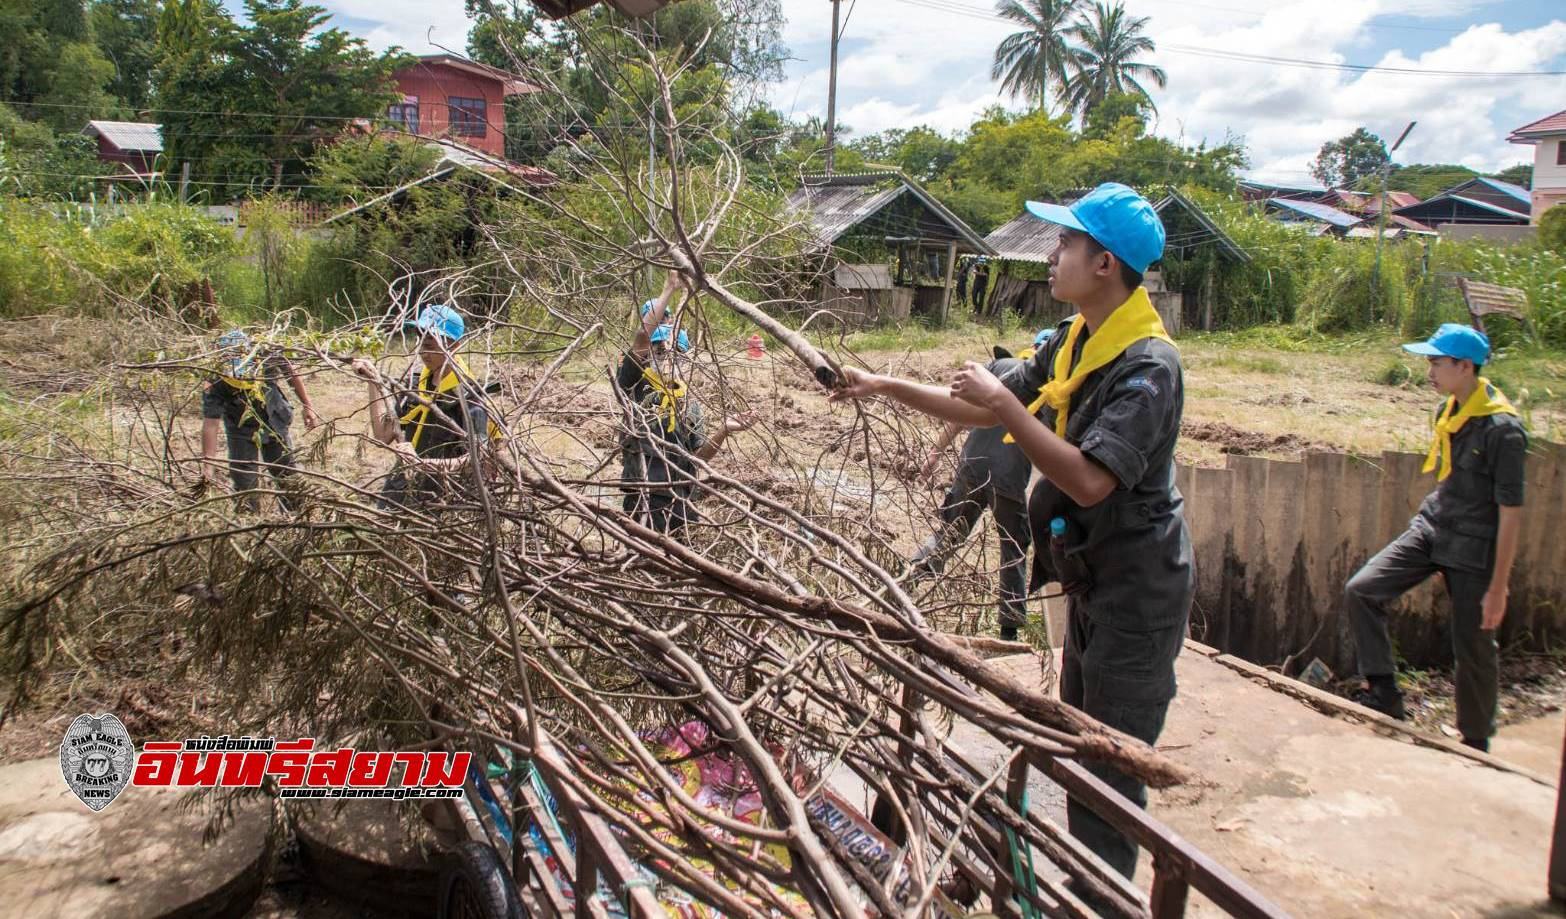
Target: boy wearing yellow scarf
x,y
244,401
1467,530
428,419
1097,411
665,427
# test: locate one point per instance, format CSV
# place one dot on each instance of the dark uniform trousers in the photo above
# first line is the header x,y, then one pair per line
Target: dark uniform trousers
x,y
1125,680
960,512
1401,567
247,458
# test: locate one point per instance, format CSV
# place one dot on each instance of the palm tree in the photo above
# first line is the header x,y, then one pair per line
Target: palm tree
x,y
1026,62
1104,61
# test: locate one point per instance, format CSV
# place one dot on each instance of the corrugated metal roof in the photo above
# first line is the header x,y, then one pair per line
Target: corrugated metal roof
x,y
1213,233
1024,238
838,203
130,136
1319,212
455,154
835,209
1416,210
1549,124
1272,186
1518,192
1507,212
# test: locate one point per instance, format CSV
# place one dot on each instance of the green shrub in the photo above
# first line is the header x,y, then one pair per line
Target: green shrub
x,y
1395,373
90,261
1552,230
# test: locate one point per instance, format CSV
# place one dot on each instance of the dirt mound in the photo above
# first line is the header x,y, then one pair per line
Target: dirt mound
x,y
1245,443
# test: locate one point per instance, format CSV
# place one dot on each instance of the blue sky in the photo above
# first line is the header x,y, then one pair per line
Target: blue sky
x,y
911,62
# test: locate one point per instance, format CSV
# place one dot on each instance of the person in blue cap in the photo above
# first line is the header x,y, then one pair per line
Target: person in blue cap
x,y
434,415
665,426
990,474
1466,530
1097,412
244,399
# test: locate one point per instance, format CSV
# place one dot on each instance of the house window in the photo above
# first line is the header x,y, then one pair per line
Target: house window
x,y
404,115
467,116
1560,153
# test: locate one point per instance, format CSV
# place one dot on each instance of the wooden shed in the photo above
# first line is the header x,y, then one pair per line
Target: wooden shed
x,y
883,220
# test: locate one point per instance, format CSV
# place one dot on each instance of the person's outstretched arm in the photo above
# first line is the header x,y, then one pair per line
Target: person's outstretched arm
x,y
936,401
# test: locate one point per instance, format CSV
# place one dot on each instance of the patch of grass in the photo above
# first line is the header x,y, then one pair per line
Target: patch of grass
x,y
1252,363
1395,373
1295,339
921,335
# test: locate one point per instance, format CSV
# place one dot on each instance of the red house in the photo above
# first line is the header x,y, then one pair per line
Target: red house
x,y
133,145
447,96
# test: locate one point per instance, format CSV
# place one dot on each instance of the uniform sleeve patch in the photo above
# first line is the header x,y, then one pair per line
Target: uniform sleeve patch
x,y
1144,384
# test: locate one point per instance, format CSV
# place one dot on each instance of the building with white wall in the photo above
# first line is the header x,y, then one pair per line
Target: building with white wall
x,y
1548,136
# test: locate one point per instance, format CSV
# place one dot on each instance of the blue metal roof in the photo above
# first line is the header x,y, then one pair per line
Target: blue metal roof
x,y
1521,194
1483,204
1316,211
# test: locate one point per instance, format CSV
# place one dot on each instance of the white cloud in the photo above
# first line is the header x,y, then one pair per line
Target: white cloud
x,y
907,63
419,26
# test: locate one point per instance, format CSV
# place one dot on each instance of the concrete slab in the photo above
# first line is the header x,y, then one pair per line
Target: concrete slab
x,y
142,856
1331,819
1534,744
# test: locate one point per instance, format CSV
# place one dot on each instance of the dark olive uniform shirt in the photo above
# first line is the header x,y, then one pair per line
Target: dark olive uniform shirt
x,y
242,413
1488,455
1126,416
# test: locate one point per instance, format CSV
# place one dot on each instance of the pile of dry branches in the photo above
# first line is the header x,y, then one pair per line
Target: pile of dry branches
x,y
523,604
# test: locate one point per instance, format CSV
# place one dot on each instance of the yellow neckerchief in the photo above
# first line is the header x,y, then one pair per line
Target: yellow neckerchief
x,y
254,392
1025,354
1131,322
669,392
420,413
1486,400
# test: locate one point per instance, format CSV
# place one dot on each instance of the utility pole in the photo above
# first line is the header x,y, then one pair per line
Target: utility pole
x,y
831,125
1386,174
184,181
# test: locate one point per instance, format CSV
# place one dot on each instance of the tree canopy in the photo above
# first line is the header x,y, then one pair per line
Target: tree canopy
x,y
1350,160
246,103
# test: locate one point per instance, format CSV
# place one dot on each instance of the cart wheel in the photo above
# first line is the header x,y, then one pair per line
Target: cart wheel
x,y
474,885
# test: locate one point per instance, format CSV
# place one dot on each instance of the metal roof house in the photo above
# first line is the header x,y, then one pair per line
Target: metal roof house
x,y
884,219
1548,139
1324,218
134,145
1480,200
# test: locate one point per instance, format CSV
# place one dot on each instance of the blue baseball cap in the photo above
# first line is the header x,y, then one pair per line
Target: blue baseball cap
x,y
233,338
1043,336
1120,219
441,319
1454,339
663,332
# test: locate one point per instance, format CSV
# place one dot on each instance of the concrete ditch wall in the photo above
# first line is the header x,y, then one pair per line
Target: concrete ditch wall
x,y
1276,540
